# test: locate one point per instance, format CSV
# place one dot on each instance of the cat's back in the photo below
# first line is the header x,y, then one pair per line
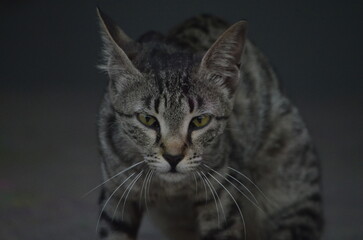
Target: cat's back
x,y
198,33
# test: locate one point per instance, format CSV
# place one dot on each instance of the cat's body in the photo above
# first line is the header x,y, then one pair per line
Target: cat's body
x,y
183,183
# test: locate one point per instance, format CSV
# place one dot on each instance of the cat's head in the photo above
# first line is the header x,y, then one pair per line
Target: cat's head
x,y
171,104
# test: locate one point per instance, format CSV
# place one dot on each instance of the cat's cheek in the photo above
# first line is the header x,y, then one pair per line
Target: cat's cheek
x,y
207,139
141,137
148,139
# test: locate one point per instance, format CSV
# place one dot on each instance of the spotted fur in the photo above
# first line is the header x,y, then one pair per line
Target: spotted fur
x,y
255,137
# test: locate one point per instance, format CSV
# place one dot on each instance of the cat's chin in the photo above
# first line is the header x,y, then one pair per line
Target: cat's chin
x,y
172,177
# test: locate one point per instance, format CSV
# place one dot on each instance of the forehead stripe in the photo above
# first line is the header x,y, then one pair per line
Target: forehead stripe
x,y
156,105
199,101
147,102
191,105
165,101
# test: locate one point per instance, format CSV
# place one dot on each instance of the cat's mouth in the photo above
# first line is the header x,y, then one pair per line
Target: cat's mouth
x,y
174,176
171,169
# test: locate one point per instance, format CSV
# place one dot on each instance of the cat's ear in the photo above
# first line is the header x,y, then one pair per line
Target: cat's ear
x,y
221,63
116,47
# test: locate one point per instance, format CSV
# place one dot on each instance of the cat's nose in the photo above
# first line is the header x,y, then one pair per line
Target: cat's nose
x,y
173,160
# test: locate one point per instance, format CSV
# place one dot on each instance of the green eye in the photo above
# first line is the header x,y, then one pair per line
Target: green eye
x,y
147,120
200,121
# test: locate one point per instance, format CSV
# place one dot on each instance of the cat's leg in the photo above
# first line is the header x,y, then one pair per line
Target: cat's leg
x,y
115,225
299,212
301,220
216,223
288,170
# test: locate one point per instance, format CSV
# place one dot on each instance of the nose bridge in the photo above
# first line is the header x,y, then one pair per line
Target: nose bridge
x,y
174,137
174,145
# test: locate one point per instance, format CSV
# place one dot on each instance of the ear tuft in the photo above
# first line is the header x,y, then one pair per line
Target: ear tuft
x,y
223,59
111,31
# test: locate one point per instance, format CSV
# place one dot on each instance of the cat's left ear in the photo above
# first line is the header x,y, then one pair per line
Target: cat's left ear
x,y
221,63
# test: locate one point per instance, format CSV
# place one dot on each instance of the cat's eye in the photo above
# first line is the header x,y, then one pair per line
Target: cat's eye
x,y
147,120
200,121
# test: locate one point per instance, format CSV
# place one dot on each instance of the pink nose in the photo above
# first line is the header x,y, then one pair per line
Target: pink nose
x,y
174,147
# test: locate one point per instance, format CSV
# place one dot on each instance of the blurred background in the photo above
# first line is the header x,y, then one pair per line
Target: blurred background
x,y
50,91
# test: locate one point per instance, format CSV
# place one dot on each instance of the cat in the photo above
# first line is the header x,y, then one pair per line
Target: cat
x,y
195,131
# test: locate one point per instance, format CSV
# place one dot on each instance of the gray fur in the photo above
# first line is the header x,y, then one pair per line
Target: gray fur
x,y
254,130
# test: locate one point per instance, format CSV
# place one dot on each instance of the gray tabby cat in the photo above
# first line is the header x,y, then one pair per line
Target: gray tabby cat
x,y
195,132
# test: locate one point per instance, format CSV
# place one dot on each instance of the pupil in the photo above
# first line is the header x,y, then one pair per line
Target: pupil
x,y
147,118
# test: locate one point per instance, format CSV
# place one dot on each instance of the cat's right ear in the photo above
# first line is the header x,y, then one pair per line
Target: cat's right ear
x,y
116,43
221,63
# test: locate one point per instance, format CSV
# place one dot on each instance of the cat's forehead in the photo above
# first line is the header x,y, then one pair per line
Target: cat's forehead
x,y
168,70
170,81
164,61
173,108
173,98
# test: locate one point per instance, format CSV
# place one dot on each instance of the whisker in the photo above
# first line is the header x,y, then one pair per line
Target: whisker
x,y
196,184
136,179
215,201
245,187
235,202
104,206
118,174
243,175
142,187
145,191
258,207
148,190
123,194
205,187
219,200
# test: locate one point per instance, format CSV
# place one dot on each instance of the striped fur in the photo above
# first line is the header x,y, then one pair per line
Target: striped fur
x,y
254,131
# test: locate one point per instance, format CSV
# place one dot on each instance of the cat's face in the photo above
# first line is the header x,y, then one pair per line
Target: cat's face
x,y
172,105
172,117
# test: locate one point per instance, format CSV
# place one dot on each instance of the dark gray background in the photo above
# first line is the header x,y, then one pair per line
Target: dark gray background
x,y
50,91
